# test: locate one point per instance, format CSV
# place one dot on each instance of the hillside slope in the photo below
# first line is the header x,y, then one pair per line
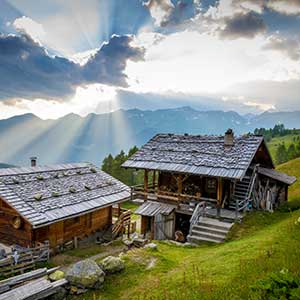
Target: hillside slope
x,y
292,168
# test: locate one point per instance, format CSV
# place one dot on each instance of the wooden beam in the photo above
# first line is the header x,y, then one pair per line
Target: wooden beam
x,y
179,184
220,191
219,196
154,178
146,184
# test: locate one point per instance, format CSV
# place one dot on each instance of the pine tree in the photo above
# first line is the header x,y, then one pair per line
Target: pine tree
x,y
291,152
281,155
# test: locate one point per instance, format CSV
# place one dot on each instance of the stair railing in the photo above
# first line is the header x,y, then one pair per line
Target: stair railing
x,y
250,188
198,212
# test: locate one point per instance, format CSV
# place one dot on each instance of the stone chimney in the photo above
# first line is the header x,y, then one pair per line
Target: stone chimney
x,y
229,138
33,161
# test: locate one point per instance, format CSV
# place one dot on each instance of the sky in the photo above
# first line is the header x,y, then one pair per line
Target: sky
x,y
82,56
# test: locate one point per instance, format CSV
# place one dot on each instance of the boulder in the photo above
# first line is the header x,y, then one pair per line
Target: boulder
x,y
57,275
85,274
112,264
151,246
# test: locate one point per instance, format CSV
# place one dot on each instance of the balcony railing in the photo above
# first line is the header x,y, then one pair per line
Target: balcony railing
x,y
154,193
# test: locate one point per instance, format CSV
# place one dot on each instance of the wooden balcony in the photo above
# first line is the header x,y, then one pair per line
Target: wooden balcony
x,y
154,193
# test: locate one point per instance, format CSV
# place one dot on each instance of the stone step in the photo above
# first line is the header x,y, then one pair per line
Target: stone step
x,y
209,222
197,240
209,235
210,229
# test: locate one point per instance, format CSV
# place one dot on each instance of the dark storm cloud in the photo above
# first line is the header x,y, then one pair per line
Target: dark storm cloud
x,y
287,46
243,26
108,64
27,70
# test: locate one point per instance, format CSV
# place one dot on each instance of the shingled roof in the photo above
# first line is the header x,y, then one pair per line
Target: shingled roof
x,y
196,154
46,194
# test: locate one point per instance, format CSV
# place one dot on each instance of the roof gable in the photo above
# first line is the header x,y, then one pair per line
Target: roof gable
x,y
196,154
46,194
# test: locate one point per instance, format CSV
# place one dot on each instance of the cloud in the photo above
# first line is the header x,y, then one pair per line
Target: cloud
x,y
167,13
31,73
288,46
160,10
108,64
30,27
233,19
250,5
243,26
288,7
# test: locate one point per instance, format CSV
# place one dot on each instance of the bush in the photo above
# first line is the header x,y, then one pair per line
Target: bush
x,y
282,285
290,206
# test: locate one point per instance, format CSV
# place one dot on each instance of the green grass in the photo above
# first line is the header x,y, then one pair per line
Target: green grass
x,y
131,206
275,142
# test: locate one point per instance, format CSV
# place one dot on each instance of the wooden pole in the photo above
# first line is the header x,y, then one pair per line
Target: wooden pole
x,y
146,184
179,183
154,178
219,196
119,209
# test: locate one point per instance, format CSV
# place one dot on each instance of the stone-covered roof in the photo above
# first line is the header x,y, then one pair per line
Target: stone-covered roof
x,y
46,194
196,154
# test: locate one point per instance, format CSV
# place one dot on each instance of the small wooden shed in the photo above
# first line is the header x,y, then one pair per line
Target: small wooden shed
x,y
56,203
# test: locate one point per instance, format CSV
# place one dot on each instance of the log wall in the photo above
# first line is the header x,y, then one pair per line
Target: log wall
x,y
57,233
9,234
82,226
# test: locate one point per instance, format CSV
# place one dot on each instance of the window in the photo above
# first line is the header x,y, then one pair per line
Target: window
x,y
211,185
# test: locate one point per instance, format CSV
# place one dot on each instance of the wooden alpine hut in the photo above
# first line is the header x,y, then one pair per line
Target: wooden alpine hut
x,y
196,186
56,203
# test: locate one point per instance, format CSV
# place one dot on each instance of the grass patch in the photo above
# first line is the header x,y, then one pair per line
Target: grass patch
x,y
131,206
293,168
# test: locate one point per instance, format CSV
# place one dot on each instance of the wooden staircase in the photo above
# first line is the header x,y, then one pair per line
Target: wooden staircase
x,y
208,230
240,195
242,191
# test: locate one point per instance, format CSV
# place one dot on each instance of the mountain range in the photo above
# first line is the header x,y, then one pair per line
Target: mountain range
x,y
73,138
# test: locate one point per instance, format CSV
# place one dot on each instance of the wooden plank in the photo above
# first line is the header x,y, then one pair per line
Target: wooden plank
x,y
179,184
23,277
28,290
146,183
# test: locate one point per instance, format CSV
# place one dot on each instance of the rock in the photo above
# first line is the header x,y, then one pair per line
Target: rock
x,y
61,294
190,245
77,291
85,274
57,275
137,242
128,243
112,264
151,246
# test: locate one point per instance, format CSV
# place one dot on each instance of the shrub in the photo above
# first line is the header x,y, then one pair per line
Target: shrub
x,y
290,206
282,285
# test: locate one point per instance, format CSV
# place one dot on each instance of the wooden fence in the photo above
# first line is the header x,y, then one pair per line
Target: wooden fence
x,y
21,260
